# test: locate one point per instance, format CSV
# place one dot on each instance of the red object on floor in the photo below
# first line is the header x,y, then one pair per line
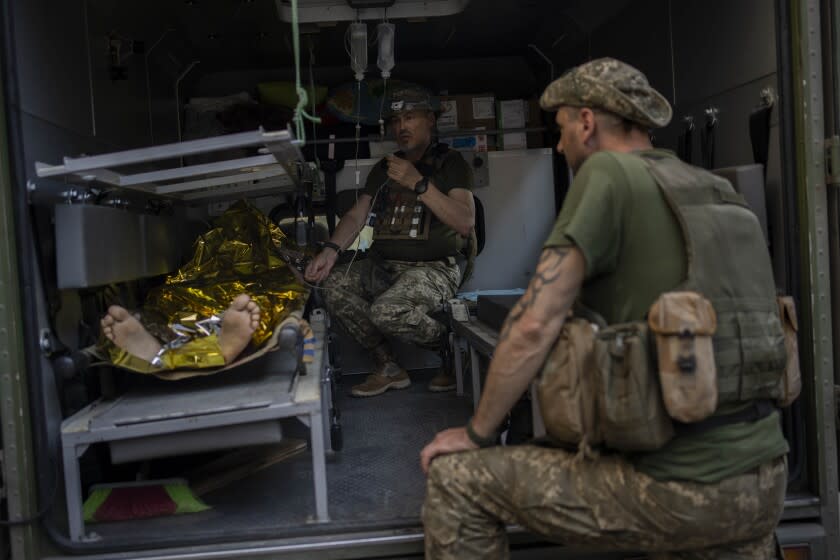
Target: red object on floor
x,y
135,502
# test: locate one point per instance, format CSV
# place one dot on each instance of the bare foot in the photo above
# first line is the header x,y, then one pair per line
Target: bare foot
x,y
239,322
124,330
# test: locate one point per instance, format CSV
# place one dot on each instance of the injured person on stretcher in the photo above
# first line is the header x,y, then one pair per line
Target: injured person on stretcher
x,y
239,322
233,295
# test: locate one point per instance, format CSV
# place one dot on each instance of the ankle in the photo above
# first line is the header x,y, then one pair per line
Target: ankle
x,y
390,369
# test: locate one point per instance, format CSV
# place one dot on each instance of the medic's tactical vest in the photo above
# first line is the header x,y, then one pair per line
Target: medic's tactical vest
x,y
602,386
404,228
729,264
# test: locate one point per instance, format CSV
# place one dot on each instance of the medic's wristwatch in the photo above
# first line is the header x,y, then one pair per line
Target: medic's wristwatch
x,y
421,186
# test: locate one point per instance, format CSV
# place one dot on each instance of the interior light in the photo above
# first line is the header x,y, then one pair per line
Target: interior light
x,y
321,11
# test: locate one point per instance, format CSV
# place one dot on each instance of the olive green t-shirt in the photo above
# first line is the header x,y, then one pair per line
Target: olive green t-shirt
x,y
443,241
617,217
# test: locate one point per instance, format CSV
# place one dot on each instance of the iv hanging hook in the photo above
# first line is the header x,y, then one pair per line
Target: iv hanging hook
x,y
548,60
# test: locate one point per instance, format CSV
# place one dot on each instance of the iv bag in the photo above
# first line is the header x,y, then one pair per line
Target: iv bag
x,y
385,38
358,49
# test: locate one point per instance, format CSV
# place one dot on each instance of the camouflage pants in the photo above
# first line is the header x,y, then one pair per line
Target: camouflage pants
x,y
379,298
601,503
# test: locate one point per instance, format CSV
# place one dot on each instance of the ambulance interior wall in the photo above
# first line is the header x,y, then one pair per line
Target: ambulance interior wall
x,y
68,105
457,75
68,102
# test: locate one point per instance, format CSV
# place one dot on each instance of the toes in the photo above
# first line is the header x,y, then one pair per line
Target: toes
x,y
106,321
118,313
254,310
109,334
240,302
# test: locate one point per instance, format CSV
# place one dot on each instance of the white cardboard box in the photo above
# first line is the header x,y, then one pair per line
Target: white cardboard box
x,y
513,113
448,119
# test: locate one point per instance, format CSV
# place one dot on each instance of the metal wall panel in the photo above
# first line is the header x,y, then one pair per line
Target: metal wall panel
x,y
648,48
52,62
719,45
518,214
97,245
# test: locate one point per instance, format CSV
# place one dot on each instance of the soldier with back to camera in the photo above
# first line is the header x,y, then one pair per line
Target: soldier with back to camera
x,y
710,489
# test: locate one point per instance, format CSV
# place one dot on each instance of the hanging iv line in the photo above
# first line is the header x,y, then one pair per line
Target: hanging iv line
x,y
385,41
358,49
385,63
357,32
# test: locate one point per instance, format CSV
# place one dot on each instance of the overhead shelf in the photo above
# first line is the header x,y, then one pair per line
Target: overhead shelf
x,y
277,166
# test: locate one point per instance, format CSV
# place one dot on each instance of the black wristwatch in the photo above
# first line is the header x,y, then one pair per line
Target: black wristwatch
x,y
421,186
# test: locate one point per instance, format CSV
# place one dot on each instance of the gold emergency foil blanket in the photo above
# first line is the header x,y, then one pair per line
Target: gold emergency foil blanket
x,y
237,256
199,353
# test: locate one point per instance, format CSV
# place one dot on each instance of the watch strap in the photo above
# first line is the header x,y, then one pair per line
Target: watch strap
x,y
421,186
334,246
480,441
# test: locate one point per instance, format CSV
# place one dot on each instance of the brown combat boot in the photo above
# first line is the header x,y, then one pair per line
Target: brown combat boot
x,y
442,382
384,377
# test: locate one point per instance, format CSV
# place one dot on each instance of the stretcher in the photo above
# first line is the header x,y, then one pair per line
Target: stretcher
x,y
242,403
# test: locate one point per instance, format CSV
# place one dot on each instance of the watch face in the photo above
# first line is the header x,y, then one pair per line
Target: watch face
x,y
421,186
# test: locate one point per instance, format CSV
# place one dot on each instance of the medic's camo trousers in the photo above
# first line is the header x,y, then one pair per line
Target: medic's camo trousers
x,y
391,298
601,503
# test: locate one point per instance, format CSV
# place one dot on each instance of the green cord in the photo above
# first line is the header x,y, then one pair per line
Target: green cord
x,y
303,96
312,90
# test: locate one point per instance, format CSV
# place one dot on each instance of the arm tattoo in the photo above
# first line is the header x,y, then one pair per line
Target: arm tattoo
x,y
548,271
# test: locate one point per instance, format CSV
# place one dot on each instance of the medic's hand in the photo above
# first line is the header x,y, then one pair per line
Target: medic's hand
x,y
320,267
448,441
402,172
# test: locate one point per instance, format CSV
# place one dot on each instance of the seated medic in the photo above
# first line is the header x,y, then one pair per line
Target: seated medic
x,y
713,488
421,205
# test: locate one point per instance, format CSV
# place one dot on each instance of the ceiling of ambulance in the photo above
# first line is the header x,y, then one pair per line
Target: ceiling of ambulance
x,y
240,34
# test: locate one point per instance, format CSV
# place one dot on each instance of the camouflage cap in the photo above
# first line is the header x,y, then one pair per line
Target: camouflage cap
x,y
611,85
411,99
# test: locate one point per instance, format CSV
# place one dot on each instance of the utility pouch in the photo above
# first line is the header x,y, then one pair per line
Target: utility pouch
x,y
631,414
791,382
566,388
684,323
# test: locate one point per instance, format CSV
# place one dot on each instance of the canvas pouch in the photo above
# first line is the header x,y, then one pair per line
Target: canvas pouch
x,y
683,324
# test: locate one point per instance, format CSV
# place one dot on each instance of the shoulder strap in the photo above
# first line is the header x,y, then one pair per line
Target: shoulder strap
x,y
686,185
441,152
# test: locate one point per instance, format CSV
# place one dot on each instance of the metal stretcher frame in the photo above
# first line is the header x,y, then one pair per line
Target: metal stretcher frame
x,y
304,401
280,158
308,398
